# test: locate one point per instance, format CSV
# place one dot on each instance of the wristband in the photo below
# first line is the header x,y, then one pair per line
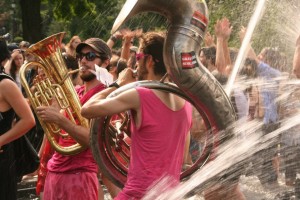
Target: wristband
x,y
114,84
114,38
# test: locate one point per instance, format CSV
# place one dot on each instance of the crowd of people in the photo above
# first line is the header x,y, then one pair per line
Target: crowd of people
x,y
161,122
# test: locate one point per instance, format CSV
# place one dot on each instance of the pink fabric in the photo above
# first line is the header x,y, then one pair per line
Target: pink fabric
x,y
77,186
84,161
84,97
157,146
42,171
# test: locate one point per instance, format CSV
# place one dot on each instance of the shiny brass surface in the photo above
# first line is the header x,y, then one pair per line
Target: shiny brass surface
x,y
57,85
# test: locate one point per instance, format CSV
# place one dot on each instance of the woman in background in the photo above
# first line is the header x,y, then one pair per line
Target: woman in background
x,y
71,46
12,103
13,66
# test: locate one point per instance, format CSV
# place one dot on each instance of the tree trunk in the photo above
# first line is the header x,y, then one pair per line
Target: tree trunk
x,y
31,20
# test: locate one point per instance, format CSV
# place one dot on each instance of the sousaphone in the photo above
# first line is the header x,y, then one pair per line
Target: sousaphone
x,y
188,20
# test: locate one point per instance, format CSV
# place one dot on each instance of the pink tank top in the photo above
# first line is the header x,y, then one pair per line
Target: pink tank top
x,y
84,161
157,146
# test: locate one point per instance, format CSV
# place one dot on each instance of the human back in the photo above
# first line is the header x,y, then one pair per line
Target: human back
x,y
157,145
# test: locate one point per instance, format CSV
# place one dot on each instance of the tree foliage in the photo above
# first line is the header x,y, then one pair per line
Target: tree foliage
x,y
94,18
277,27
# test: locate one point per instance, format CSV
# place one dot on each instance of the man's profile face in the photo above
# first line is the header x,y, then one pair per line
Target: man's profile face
x,y
141,62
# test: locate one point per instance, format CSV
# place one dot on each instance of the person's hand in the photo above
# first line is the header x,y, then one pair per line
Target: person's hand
x,y
50,114
118,35
242,33
15,53
209,40
128,35
223,29
138,33
226,28
126,76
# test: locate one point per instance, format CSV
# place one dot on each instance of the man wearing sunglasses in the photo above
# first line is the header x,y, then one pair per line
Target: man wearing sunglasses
x,y
75,177
160,121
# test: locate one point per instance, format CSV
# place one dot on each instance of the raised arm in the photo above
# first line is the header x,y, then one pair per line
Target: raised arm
x,y
223,31
209,40
127,42
251,52
98,105
113,39
296,60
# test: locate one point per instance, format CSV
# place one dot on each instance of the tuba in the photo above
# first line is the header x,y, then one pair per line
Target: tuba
x,y
58,85
188,20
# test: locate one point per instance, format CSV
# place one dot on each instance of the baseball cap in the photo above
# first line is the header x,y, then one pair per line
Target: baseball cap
x,y
97,44
134,48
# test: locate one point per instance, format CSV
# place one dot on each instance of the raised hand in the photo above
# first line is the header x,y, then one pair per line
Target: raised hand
x,y
223,29
209,40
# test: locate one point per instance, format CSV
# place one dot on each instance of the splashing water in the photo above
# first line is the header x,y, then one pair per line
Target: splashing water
x,y
235,155
245,44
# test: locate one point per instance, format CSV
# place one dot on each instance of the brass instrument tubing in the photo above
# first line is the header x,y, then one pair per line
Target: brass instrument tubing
x,y
68,74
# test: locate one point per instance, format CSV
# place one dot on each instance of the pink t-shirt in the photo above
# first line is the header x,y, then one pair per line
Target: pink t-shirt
x,y
157,146
82,162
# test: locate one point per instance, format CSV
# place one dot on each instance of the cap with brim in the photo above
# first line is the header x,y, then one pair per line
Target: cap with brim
x,y
97,44
133,48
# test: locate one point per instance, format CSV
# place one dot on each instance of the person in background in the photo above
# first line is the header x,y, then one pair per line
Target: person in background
x,y
70,47
116,66
208,58
24,45
72,65
296,72
12,67
296,60
269,63
128,50
12,103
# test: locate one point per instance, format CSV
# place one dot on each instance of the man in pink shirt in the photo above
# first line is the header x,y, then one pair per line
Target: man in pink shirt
x,y
160,121
76,176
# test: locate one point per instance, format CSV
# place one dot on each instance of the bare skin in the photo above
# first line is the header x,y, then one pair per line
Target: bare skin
x,y
296,60
11,97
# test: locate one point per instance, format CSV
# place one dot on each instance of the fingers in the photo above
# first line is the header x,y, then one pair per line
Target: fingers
x,y
126,76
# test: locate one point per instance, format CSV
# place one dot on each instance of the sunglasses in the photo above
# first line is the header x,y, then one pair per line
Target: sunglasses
x,y
139,56
89,56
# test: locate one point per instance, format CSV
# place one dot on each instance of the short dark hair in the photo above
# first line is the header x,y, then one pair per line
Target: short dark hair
x,y
121,65
210,53
152,43
272,57
253,64
71,63
4,53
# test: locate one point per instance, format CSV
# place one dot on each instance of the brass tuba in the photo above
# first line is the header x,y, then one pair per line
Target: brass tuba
x,y
188,20
58,85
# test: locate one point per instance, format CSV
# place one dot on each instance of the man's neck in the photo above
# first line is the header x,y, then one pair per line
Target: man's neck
x,y
91,84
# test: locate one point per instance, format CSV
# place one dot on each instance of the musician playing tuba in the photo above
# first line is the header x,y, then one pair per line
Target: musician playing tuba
x,y
75,176
160,121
